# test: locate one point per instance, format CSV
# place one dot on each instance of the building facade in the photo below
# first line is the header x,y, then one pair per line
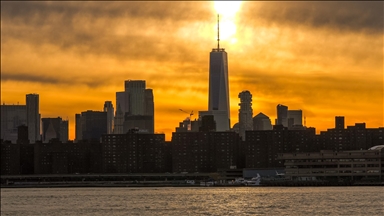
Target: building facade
x,y
337,166
134,153
33,117
108,108
93,125
262,147
282,115
204,151
54,128
136,100
218,82
245,113
12,116
262,122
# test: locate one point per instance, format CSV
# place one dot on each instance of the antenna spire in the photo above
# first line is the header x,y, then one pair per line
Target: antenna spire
x,y
218,32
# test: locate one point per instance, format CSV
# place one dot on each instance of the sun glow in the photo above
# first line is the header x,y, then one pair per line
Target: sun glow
x,y
227,8
227,11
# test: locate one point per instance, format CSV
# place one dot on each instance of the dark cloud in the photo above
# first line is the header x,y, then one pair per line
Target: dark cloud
x,y
338,16
90,27
53,79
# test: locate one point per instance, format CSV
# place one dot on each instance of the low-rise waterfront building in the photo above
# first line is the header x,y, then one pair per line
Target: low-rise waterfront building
x,y
340,166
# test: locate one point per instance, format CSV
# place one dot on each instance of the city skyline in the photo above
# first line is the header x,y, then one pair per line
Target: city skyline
x,y
75,56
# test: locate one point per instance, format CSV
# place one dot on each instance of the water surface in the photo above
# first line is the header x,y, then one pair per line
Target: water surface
x,y
194,201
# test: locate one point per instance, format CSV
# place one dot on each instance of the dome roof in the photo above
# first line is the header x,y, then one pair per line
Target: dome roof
x,y
261,115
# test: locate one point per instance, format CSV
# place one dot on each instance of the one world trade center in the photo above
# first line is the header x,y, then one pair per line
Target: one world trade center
x,y
218,102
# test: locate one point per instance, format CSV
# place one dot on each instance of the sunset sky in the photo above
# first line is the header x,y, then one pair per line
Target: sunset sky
x,y
325,58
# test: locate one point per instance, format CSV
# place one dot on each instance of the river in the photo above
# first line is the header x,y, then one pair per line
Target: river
x,y
193,201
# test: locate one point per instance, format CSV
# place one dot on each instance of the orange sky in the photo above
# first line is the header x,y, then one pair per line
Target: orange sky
x,y
325,58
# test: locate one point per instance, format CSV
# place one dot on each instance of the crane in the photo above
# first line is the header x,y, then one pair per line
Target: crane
x,y
190,114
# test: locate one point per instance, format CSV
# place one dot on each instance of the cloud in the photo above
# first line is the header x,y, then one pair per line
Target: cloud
x,y
339,16
323,57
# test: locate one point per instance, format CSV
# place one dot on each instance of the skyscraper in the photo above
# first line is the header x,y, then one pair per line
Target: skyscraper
x,y
282,115
218,81
245,113
78,130
137,107
295,118
108,107
33,117
93,125
136,92
118,121
54,128
12,116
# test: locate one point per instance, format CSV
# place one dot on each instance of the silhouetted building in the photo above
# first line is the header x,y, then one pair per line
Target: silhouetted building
x,y
262,147
219,116
295,118
108,108
12,116
262,122
65,158
119,121
204,151
22,135
282,115
339,122
218,86
143,123
150,108
27,156
135,153
208,124
245,113
335,166
188,125
137,101
10,158
93,125
33,117
356,137
16,159
78,130
55,128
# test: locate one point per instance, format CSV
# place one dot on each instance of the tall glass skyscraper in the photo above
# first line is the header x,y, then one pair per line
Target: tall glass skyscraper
x,y
218,81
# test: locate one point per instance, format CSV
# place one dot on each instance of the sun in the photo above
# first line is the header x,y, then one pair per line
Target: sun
x,y
227,11
227,8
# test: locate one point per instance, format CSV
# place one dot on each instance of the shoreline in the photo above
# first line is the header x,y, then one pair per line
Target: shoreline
x,y
140,185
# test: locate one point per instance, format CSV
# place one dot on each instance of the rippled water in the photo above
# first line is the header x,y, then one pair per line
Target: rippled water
x,y
194,201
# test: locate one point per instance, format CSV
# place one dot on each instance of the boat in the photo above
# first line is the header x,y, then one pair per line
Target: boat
x,y
255,181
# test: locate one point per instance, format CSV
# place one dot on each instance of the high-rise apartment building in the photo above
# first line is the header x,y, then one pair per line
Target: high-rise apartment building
x,y
245,113
218,82
33,117
339,122
108,108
